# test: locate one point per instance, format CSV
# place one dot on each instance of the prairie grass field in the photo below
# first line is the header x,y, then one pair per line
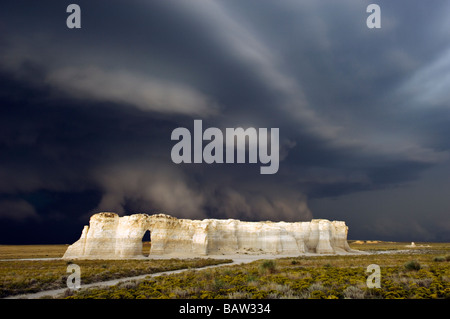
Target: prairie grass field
x,y
420,272
28,276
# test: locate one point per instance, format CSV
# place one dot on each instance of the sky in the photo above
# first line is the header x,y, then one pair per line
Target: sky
x,y
86,114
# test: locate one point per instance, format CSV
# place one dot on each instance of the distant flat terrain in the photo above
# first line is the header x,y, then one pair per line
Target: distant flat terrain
x,y
43,251
377,245
57,251
31,251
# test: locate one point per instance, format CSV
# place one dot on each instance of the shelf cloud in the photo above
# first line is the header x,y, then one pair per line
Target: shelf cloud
x,y
86,114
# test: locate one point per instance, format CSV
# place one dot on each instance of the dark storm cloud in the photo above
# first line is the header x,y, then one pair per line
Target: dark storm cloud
x,y
88,113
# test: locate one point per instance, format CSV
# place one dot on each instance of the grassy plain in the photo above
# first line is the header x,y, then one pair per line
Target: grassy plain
x,y
407,273
416,272
28,276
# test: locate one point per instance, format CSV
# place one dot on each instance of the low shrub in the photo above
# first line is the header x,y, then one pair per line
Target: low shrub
x,y
268,266
412,265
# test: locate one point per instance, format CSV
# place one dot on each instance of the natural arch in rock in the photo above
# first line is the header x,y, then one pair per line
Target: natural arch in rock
x,y
146,243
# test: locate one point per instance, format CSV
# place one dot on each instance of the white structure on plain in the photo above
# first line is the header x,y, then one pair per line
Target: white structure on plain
x,y
109,236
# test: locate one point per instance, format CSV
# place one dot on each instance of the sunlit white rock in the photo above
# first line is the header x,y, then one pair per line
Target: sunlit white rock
x,y
109,236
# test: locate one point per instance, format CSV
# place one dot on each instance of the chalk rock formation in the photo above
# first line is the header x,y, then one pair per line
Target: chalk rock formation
x,y
109,236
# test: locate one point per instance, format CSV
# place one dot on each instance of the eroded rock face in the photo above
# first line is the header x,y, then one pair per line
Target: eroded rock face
x,y
109,236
